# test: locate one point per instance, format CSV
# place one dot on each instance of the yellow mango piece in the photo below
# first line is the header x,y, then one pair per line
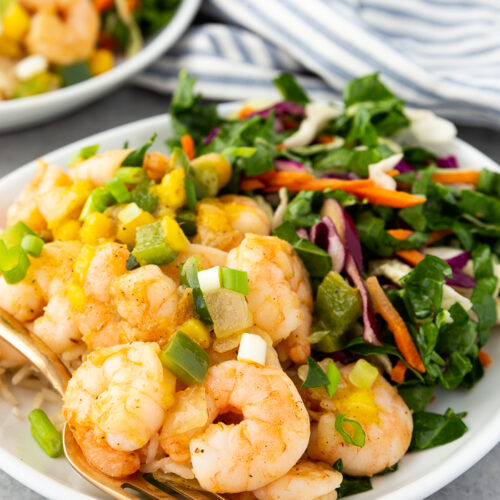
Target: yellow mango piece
x,y
82,263
130,218
198,331
67,231
97,228
172,191
100,61
76,296
174,235
15,22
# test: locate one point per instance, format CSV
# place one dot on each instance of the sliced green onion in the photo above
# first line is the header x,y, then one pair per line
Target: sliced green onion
x,y
333,374
131,175
84,153
179,159
32,244
209,279
132,263
185,359
136,157
242,152
190,192
363,374
118,190
98,201
151,246
74,73
358,436
188,276
142,197
316,377
187,221
46,435
14,263
234,279
14,235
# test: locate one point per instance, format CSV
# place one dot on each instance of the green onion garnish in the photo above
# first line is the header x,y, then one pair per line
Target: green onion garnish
x,y
118,190
190,192
185,359
84,153
234,279
14,235
98,201
151,246
143,198
333,374
131,175
32,244
187,221
358,436
14,263
45,433
188,276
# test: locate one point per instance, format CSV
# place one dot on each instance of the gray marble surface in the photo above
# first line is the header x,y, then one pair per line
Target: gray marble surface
x,y
130,104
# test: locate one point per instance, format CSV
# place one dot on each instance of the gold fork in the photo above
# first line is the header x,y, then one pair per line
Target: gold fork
x,y
13,332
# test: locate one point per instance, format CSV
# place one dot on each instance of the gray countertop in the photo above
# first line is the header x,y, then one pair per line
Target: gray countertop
x,y
130,104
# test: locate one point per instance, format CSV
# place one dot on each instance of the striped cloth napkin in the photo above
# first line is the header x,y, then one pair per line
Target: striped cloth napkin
x,y
438,54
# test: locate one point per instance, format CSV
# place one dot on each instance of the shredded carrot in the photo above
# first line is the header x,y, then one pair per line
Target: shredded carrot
x,y
393,173
289,178
438,235
400,234
325,139
413,257
389,198
281,146
404,234
396,324
251,184
346,185
103,5
245,112
398,372
187,144
484,358
457,177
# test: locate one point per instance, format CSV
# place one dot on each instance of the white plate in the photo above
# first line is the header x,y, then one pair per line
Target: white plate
x,y
27,111
419,474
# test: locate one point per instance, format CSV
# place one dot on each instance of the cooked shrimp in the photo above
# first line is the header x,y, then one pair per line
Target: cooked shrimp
x,y
26,208
156,165
46,276
381,412
306,480
149,302
223,222
63,39
115,402
270,438
100,168
280,297
108,263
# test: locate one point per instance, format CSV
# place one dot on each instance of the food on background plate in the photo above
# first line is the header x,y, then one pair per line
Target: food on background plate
x,y
269,309
49,44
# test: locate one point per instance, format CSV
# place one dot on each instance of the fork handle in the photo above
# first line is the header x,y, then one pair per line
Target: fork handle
x,y
16,334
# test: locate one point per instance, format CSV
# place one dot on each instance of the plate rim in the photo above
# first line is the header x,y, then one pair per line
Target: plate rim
x,y
485,439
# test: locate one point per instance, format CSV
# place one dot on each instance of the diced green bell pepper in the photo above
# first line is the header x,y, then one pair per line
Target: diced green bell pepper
x,y
185,359
337,308
151,246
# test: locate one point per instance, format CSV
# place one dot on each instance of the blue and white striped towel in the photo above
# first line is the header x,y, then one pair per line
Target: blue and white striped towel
x,y
439,54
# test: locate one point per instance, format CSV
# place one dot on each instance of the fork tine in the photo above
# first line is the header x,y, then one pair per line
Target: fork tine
x,y
189,492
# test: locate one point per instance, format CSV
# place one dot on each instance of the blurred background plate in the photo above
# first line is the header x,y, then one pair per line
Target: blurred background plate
x,y
28,111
